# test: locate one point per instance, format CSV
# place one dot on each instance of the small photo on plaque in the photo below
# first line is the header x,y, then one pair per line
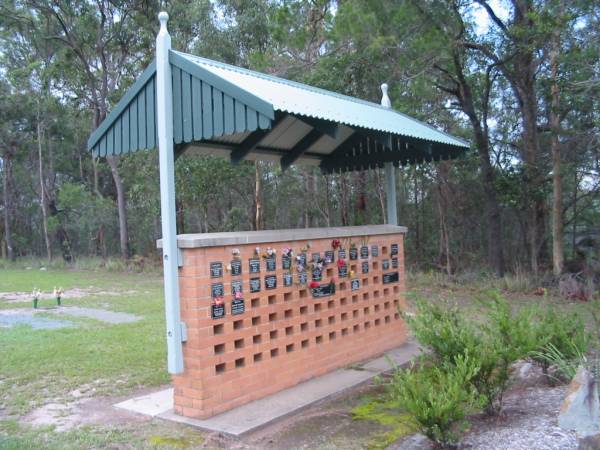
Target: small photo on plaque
x,y
374,251
353,253
236,287
271,282
217,311
394,250
216,269
365,267
236,267
217,290
302,277
254,284
237,306
316,275
302,259
271,263
287,279
355,284
364,252
394,263
254,265
385,264
329,256
286,262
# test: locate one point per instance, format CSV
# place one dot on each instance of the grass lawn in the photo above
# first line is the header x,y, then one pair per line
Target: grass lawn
x,y
38,367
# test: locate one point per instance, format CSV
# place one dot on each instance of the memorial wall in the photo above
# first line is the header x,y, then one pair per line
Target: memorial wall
x,y
266,310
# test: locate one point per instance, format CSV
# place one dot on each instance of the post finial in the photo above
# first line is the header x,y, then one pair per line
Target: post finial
x,y
163,18
385,99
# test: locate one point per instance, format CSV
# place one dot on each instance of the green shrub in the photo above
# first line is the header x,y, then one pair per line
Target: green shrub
x,y
438,398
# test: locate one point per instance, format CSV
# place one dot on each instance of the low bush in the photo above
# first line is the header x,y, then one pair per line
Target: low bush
x,y
439,397
505,337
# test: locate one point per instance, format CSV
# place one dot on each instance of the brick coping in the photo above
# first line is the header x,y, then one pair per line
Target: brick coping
x,y
201,240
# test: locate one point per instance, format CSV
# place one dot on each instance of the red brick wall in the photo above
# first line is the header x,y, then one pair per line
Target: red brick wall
x,y
285,335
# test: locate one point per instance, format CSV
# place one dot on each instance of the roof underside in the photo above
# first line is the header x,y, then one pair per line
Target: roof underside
x,y
236,113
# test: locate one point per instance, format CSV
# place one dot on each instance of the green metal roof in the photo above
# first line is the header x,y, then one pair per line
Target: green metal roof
x,y
230,111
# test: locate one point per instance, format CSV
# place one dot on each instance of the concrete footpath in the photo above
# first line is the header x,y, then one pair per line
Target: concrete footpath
x,y
259,413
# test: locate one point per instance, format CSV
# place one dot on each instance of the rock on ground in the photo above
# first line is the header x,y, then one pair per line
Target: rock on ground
x,y
580,410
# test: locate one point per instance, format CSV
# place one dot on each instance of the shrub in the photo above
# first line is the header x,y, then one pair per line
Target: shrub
x,y
438,398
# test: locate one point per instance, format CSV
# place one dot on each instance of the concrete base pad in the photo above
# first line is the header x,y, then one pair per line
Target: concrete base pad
x,y
257,414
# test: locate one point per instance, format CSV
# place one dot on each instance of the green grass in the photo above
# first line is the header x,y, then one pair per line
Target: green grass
x,y
42,365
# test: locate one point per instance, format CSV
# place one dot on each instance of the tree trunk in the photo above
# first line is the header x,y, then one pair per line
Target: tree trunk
x,y
43,202
557,206
121,207
258,206
6,190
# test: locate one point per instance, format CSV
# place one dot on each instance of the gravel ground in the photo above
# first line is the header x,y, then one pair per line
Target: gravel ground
x,y
528,421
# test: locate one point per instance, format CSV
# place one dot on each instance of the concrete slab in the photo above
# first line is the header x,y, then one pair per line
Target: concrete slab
x,y
259,413
112,317
151,404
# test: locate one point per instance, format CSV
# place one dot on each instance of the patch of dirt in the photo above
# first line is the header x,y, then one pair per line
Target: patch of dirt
x,y
83,410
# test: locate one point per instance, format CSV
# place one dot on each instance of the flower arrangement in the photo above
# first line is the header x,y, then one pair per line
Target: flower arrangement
x,y
237,295
341,263
219,300
236,254
257,251
288,252
36,294
58,293
335,244
313,284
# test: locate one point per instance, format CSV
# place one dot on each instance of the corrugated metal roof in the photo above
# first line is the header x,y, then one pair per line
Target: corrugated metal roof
x,y
297,98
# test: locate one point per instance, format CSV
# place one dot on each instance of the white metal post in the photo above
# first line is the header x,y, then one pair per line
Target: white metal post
x,y
390,171
164,115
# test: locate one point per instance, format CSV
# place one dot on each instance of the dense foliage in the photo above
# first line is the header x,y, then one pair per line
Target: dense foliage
x,y
518,79
468,364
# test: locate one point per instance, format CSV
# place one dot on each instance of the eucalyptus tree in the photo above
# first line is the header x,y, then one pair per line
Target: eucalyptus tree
x,y
101,45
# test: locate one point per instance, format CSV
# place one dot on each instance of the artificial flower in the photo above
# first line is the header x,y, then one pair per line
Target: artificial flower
x,y
335,244
313,284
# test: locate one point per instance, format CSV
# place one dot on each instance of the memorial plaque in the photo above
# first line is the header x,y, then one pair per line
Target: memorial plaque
x,y
302,277
271,264
374,251
236,286
323,290
271,282
254,265
394,263
302,259
217,290
390,277
287,279
365,267
316,274
237,306
216,269
355,284
353,253
316,257
342,253
343,271
217,311
236,267
394,249
254,284
286,262
385,264
364,252
329,256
